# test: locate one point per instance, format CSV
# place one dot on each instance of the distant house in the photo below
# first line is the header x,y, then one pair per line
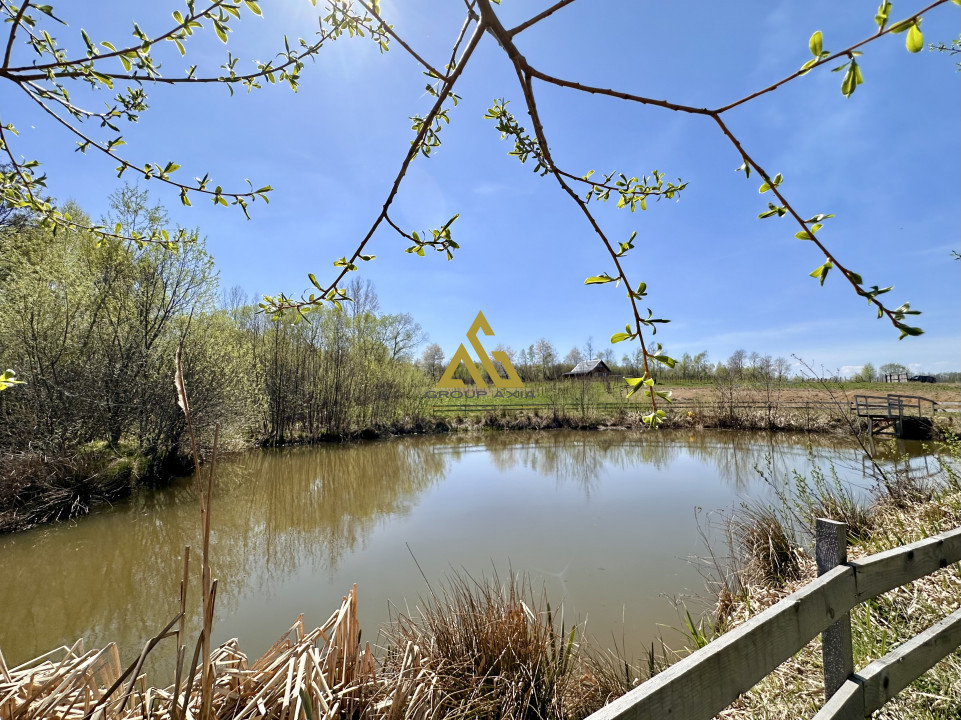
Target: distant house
x,y
589,369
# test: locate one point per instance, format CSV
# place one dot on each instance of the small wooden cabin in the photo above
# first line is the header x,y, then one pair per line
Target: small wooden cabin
x,y
589,369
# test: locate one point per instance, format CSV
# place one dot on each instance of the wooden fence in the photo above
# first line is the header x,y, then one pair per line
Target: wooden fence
x,y
707,681
471,406
684,405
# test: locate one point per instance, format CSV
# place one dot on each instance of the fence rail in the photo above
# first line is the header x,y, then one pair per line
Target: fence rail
x,y
707,681
636,407
915,406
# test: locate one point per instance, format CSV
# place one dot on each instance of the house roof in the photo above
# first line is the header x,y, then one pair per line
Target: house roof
x,y
588,366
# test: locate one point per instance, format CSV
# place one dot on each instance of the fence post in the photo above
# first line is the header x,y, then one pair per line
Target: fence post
x,y
831,549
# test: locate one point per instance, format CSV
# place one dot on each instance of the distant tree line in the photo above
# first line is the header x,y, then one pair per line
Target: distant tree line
x,y
541,361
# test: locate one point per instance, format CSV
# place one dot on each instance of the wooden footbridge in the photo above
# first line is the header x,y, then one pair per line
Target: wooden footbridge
x,y
910,417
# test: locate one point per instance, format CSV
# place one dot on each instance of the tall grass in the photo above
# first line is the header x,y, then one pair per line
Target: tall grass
x,y
902,510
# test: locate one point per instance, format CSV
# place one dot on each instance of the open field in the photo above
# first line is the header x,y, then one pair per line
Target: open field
x,y
811,406
614,390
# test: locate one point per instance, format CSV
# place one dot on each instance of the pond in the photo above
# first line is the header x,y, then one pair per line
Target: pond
x,y
605,521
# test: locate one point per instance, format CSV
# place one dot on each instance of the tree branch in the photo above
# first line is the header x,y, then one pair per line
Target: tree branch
x,y
537,18
534,72
284,303
390,31
522,70
844,53
13,32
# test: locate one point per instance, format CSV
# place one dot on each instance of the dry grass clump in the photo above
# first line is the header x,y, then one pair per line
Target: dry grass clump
x,y
766,545
840,505
493,649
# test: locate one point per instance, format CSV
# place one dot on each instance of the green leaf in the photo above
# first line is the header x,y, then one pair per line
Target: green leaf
x,y
855,278
804,235
8,380
852,78
815,44
908,330
773,210
598,279
884,9
915,40
821,272
620,337
664,360
654,419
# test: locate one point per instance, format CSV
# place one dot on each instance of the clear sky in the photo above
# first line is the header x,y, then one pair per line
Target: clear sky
x,y
885,162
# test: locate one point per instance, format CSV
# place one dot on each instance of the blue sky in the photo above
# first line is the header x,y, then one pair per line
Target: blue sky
x,y
885,162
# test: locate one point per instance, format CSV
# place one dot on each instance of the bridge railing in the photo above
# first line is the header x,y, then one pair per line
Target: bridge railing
x,y
709,680
894,406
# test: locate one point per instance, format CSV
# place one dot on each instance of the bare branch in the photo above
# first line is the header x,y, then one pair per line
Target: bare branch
x,y
534,72
13,32
537,18
390,31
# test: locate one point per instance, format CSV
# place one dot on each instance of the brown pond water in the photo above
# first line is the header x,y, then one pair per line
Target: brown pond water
x,y
605,521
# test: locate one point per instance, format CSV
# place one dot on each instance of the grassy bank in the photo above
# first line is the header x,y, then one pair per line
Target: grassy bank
x,y
774,550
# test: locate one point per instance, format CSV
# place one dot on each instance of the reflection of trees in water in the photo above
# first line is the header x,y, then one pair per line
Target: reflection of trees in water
x,y
580,457
117,573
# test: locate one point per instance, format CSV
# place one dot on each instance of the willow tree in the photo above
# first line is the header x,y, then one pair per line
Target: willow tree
x,y
129,69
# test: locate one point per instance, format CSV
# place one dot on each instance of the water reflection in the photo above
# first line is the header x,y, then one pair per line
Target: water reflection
x,y
116,574
578,457
604,519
